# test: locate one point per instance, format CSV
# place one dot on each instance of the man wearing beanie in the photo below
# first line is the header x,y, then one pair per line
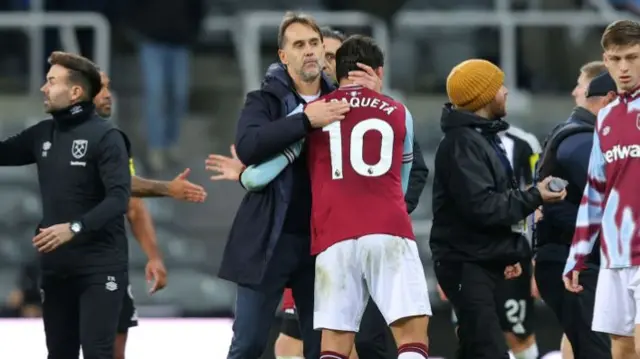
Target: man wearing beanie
x,y
477,238
515,298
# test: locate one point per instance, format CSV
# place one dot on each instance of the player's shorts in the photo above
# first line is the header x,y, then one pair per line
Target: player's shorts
x,y
128,313
290,324
515,305
385,267
617,297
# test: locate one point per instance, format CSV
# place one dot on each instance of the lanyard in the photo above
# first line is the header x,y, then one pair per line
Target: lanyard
x,y
502,154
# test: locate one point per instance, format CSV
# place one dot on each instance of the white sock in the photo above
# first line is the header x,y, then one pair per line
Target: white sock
x,y
411,355
530,353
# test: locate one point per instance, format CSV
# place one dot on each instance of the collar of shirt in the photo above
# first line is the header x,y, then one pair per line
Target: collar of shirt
x,y
74,114
630,95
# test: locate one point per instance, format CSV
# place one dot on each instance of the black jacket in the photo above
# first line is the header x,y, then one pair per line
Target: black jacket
x,y
264,130
566,155
83,172
475,203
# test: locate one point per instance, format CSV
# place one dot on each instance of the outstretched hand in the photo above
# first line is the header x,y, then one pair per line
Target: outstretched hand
x,y
182,189
226,168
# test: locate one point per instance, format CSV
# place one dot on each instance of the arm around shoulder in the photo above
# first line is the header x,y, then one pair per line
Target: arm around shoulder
x,y
260,136
256,177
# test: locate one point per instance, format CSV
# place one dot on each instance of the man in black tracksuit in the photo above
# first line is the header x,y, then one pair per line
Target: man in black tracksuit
x,y
566,155
85,186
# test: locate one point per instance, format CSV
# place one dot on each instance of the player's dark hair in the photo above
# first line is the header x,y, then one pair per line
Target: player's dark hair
x,y
357,48
329,33
291,18
82,72
621,33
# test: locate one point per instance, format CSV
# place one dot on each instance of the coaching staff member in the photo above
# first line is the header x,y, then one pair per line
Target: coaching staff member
x,y
268,247
269,244
566,155
84,178
479,209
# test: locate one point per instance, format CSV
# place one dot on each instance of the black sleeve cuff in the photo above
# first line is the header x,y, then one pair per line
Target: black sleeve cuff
x,y
240,178
536,196
306,122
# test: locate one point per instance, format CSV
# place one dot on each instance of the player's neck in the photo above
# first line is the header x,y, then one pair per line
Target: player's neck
x,y
345,82
591,109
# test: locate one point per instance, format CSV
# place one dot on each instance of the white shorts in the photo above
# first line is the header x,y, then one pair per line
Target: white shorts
x,y
386,267
617,299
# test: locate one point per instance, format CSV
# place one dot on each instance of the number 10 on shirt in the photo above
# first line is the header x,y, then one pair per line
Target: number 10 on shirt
x,y
356,158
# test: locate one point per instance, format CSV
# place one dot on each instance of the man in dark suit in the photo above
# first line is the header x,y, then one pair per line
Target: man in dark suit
x,y
268,247
269,244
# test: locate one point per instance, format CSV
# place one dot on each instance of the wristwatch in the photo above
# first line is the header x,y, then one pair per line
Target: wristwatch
x,y
75,227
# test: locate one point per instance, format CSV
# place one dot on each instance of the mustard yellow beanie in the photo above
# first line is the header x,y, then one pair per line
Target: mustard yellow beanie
x,y
473,84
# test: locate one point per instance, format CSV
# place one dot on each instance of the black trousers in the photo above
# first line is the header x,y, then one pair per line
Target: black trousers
x,y
574,311
471,289
374,340
82,311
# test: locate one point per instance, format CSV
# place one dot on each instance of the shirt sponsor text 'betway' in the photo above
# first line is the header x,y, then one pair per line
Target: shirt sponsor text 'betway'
x,y
622,152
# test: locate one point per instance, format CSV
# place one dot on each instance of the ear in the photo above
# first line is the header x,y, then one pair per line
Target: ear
x,y
76,92
604,59
283,56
